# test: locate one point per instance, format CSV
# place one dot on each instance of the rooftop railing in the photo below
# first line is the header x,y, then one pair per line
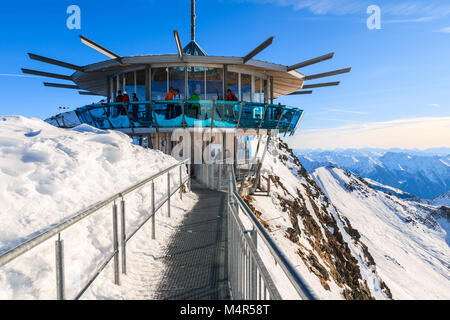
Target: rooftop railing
x,y
190,113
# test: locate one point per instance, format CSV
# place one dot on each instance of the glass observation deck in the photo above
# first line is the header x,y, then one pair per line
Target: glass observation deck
x,y
186,114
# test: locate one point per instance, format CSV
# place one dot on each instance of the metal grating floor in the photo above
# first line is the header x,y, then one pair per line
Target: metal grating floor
x,y
195,258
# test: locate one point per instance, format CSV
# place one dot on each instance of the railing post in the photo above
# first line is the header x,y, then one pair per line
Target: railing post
x,y
211,176
168,194
189,175
115,246
153,212
254,271
220,166
181,182
206,182
59,252
123,237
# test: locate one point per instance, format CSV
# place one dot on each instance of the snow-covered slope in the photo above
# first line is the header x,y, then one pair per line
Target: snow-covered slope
x,y
328,252
442,200
406,242
388,189
419,173
48,174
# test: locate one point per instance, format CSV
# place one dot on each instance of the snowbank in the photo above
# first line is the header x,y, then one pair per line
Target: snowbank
x,y
48,174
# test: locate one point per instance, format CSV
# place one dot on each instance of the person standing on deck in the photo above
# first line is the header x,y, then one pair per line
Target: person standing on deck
x,y
229,107
135,107
126,100
231,96
177,106
194,108
169,109
119,98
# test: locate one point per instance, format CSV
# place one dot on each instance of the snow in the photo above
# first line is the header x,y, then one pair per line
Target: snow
x,y
49,174
442,200
408,246
279,221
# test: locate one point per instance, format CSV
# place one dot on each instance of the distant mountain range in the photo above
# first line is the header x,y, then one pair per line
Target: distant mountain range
x,y
423,174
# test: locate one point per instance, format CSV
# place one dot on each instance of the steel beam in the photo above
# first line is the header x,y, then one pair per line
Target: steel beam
x,y
55,62
60,85
258,49
310,62
88,93
300,92
321,85
46,74
178,41
100,49
327,74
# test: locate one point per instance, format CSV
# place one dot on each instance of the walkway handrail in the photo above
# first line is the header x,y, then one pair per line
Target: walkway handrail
x,y
292,274
26,246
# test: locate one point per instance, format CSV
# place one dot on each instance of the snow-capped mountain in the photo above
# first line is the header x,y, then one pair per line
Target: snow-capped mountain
x,y
349,240
442,200
408,241
421,174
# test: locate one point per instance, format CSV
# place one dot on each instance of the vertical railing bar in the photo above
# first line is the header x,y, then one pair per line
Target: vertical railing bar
x,y
168,194
189,175
248,273
240,114
219,183
259,285
181,183
60,283
183,118
115,246
153,212
123,237
265,296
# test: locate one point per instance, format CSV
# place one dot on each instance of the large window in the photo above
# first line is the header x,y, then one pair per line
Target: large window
x,y
140,85
129,83
257,90
246,87
207,81
196,77
233,83
159,83
214,84
177,81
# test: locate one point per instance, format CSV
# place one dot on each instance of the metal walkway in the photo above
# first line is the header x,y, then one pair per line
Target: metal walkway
x,y
196,258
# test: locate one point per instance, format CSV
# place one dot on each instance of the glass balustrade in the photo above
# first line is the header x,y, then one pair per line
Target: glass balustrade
x,y
190,113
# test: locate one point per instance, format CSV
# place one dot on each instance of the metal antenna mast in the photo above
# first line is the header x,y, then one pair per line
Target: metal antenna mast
x,y
193,20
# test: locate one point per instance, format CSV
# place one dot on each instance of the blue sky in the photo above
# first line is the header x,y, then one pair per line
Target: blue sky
x,y
400,76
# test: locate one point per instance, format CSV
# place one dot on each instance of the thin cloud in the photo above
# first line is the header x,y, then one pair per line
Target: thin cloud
x,y
416,11
434,105
346,111
423,19
422,133
443,30
17,75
